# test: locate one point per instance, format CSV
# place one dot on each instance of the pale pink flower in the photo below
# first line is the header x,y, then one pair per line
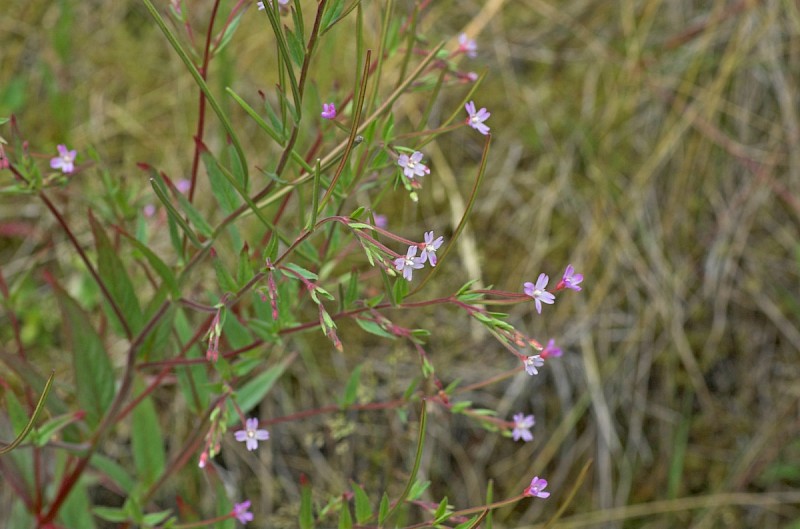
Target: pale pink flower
x,y
328,111
251,435
241,511
476,118
429,247
538,292
467,45
536,488
522,426
570,279
412,165
65,160
409,263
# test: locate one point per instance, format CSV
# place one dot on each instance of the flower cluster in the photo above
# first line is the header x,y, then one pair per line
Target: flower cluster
x,y
540,295
411,262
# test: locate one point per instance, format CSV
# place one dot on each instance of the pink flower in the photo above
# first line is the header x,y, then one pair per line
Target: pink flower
x,y
538,292
328,111
476,119
570,279
381,221
251,435
241,511
409,263
531,363
183,185
522,425
536,489
412,165
65,160
429,248
551,350
467,45
149,210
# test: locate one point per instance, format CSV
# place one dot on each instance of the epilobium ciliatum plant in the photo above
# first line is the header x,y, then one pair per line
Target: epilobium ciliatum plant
x,y
217,299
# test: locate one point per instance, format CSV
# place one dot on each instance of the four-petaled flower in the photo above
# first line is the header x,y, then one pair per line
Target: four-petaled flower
x,y
328,111
409,263
550,350
251,435
65,160
522,425
467,45
570,279
412,165
538,292
536,489
476,119
241,511
531,363
429,248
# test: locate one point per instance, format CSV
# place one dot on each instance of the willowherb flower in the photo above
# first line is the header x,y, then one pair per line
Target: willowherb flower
x,y
183,186
381,221
328,111
241,511
251,435
467,45
522,426
538,292
409,263
531,363
536,488
476,119
570,279
429,247
550,350
65,160
412,165
149,210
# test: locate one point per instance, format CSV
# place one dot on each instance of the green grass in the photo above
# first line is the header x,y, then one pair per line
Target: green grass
x,y
652,144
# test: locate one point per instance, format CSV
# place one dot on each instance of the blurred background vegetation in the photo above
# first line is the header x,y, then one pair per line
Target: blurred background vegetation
x,y
652,144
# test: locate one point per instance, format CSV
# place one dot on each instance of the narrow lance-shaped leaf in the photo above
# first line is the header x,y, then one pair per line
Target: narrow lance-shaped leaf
x,y
112,271
94,376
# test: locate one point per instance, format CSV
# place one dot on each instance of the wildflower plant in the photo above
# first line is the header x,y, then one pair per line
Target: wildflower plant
x,y
219,299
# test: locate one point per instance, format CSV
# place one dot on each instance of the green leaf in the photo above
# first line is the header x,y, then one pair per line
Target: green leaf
x,y
363,508
296,47
303,272
254,391
306,509
110,514
244,272
345,519
163,271
111,469
418,489
75,512
112,271
194,216
329,18
223,191
351,389
175,218
373,328
383,510
228,35
147,442
224,278
352,289
49,428
399,290
441,512
94,376
155,518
